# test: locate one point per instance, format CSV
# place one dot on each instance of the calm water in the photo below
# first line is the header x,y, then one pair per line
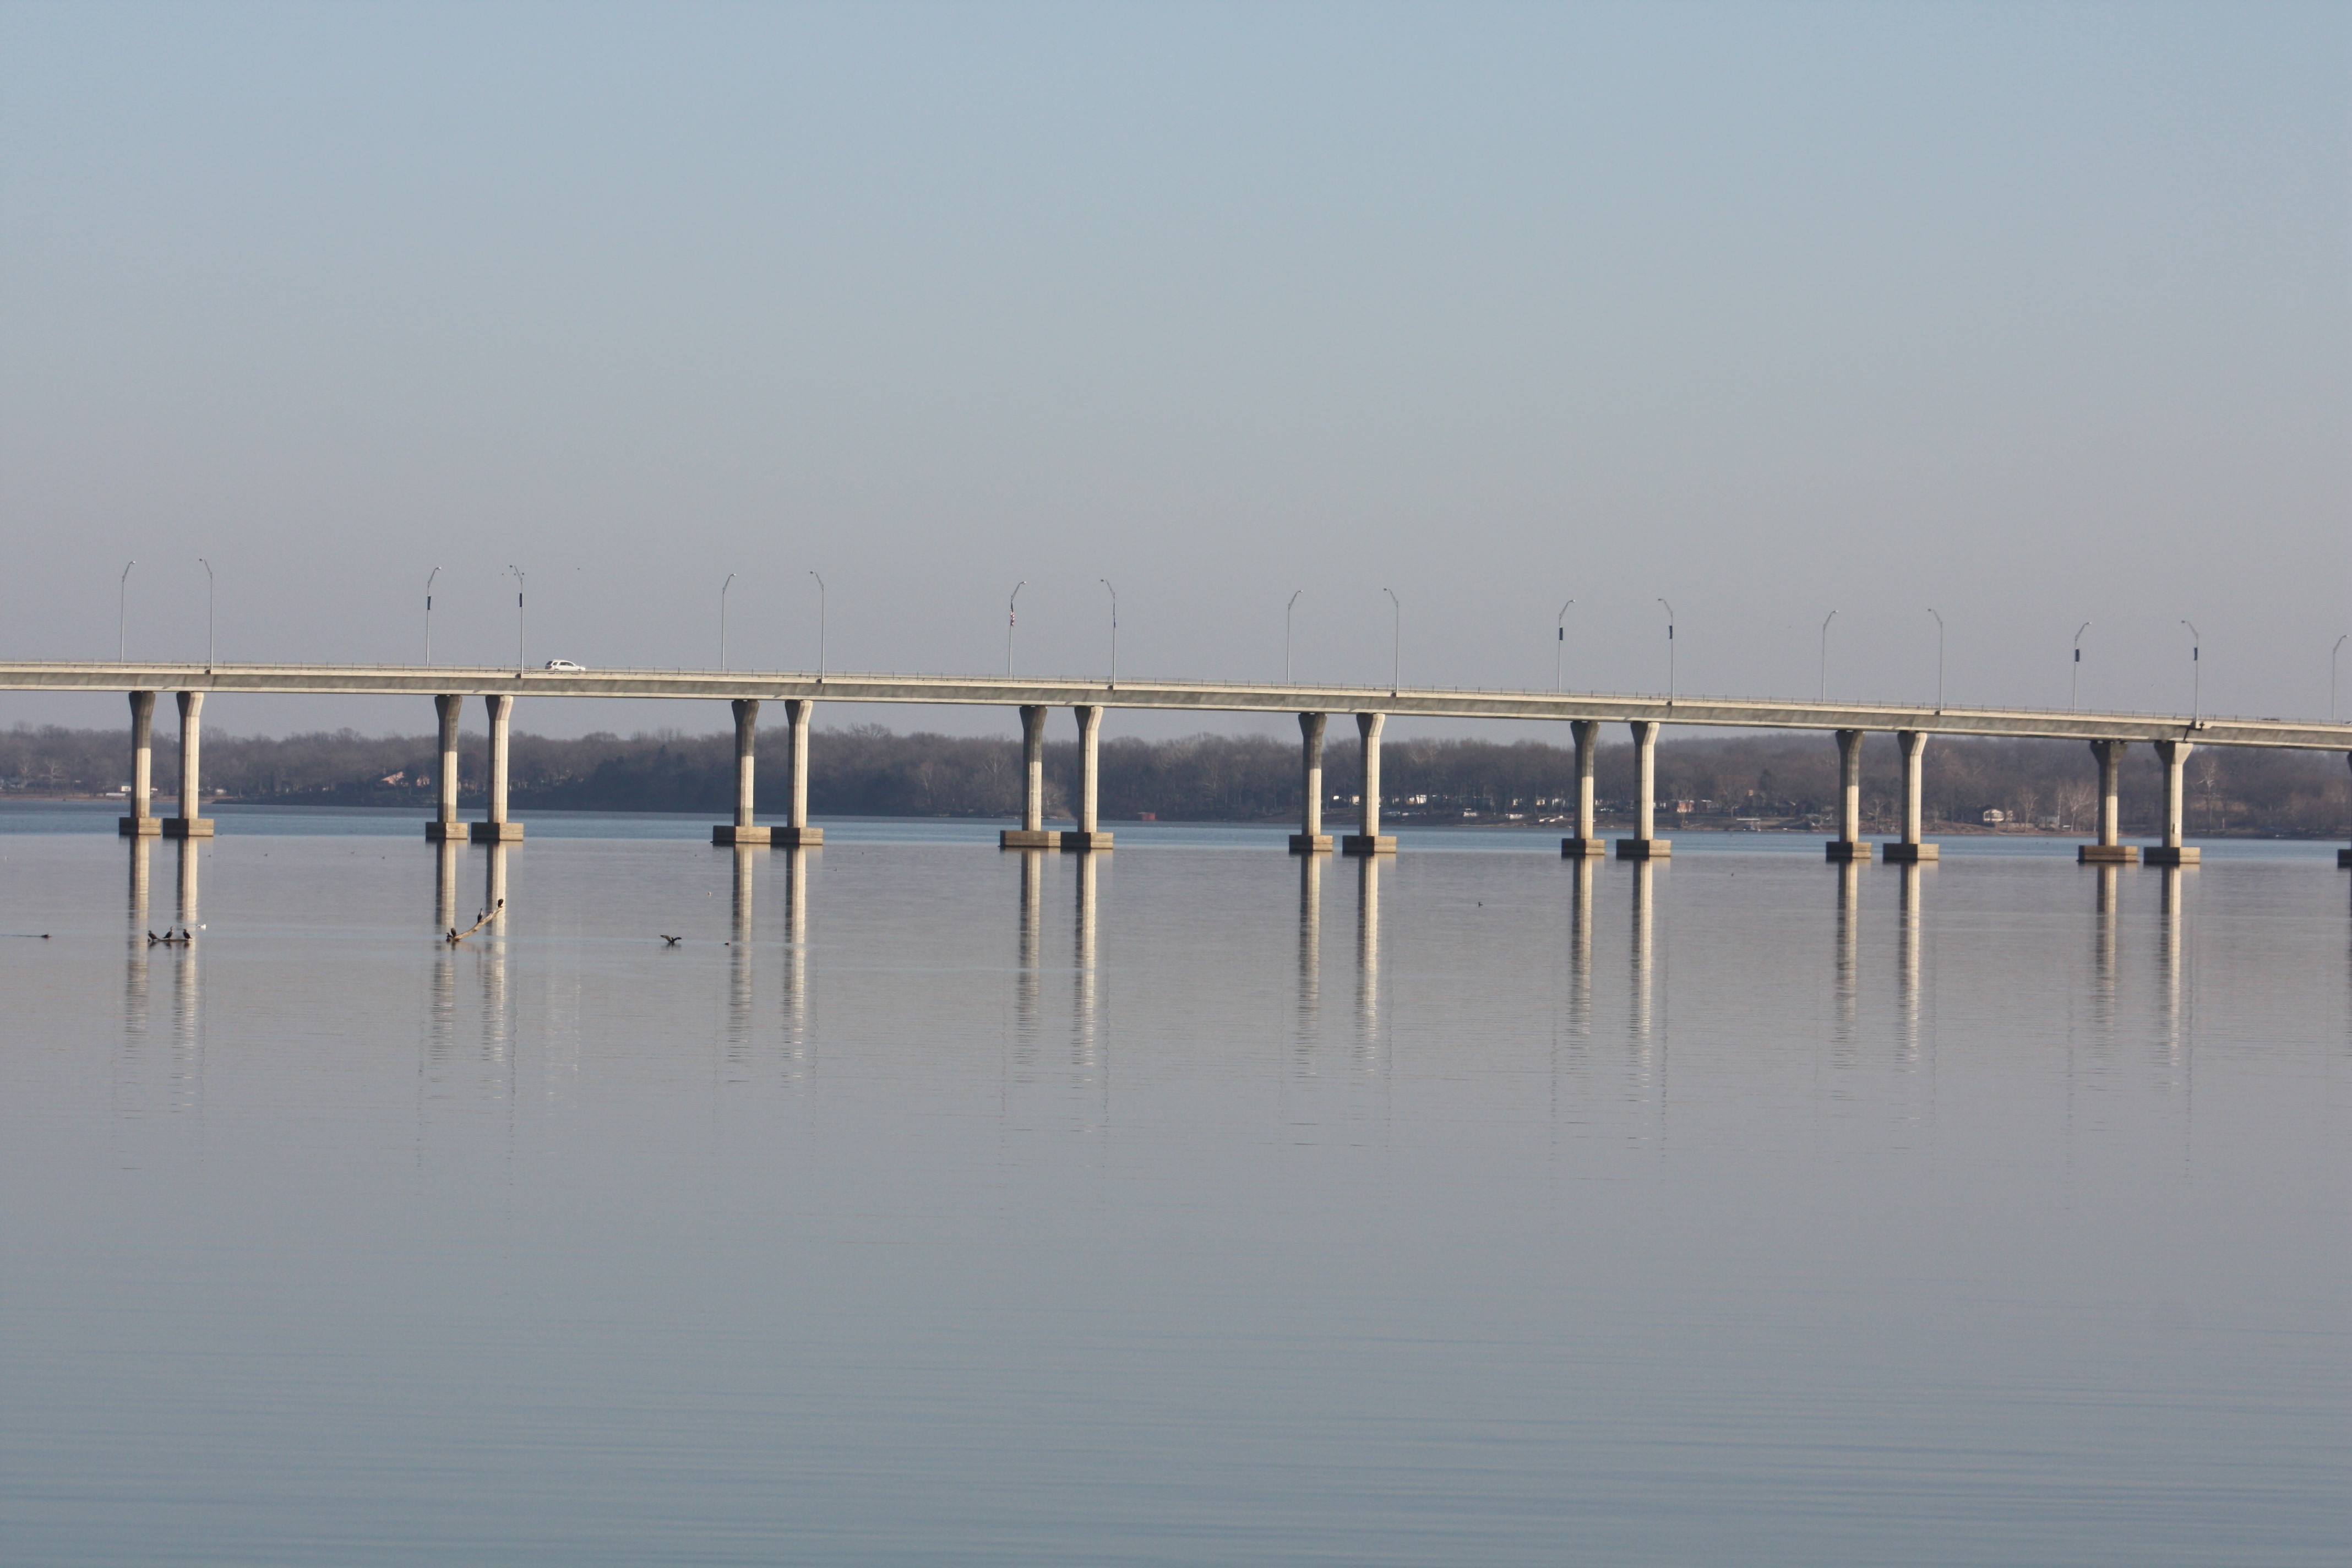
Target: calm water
x,y
930,1204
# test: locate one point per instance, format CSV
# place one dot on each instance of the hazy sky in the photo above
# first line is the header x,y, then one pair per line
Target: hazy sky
x,y
2034,314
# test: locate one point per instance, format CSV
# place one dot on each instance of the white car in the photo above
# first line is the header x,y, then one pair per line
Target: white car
x,y
567,666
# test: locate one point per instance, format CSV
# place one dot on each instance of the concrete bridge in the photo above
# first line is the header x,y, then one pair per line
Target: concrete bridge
x,y
2108,734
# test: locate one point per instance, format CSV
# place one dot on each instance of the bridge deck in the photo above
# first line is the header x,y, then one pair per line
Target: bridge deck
x,y
711,685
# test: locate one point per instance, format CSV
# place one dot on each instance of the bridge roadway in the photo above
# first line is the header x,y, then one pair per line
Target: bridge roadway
x,y
2109,733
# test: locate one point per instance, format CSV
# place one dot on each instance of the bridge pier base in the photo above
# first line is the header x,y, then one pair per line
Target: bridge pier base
x,y
2174,754
190,823
2110,850
1645,844
1087,837
1371,840
1031,834
1849,845
1588,843
444,827
496,829
1909,851
1310,838
143,822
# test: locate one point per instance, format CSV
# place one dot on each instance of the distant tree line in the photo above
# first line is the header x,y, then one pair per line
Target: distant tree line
x,y
868,770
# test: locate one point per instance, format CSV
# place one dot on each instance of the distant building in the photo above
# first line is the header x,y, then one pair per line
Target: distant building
x,y
1994,817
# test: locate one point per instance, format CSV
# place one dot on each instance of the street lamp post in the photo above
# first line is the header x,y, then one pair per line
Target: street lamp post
x,y
723,619
1114,629
209,613
2074,682
1670,653
1396,641
428,613
520,660
1823,695
122,608
1939,660
1560,643
820,623
1287,609
1011,619
2196,670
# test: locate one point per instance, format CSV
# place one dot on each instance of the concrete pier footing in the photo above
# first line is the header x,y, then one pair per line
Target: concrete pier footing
x,y
188,823
1088,835
2106,854
450,831
748,836
1844,850
1031,834
139,827
2170,855
2344,859
1310,838
1583,848
1646,845
1370,839
1910,854
496,829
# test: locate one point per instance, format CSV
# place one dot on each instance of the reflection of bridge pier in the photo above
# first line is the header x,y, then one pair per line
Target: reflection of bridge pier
x,y
1310,940
798,1002
1030,957
1580,948
445,884
1368,955
187,995
1907,922
2170,957
739,957
1849,946
1645,893
1086,992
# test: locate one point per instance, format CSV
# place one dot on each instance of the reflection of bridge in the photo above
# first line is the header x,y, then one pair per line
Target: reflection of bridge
x,y
2108,734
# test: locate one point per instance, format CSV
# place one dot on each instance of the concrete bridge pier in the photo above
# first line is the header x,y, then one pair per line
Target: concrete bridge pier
x,y
445,827
1587,842
1849,845
2110,850
141,823
2174,754
495,829
743,830
1310,838
1645,844
800,717
1910,851
1031,834
1371,840
1087,837
190,823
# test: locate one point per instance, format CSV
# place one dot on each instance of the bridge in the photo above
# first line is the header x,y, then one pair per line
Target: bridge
x,y
2108,734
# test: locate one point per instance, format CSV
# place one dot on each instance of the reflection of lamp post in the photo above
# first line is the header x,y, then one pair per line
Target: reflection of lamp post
x,y
1011,620
2074,682
2196,669
821,596
519,659
1396,640
122,608
1114,629
2331,676
723,619
1560,642
428,613
1286,635
1670,653
1824,694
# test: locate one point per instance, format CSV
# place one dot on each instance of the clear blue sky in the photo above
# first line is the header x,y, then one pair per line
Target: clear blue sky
x,y
2031,313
